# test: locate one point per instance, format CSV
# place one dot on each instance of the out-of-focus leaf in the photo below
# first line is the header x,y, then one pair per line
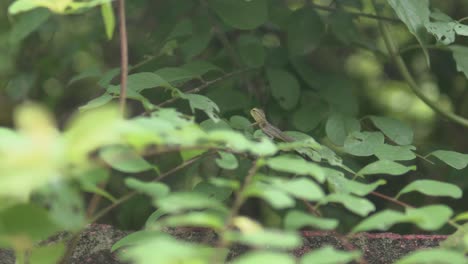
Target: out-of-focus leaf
x,y
328,255
241,14
284,87
296,219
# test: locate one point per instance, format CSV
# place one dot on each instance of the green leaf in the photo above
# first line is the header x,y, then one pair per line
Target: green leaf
x,y
136,238
27,222
241,14
124,159
251,51
97,102
339,184
145,80
229,98
339,126
241,123
434,256
363,143
90,130
175,74
396,130
297,166
199,67
65,205
432,188
47,254
193,219
309,115
296,219
329,255
460,55
26,24
415,15
443,31
90,179
220,193
305,30
169,250
301,188
276,239
227,161
284,87
203,103
278,199
180,201
385,167
390,152
109,19
357,205
154,189
431,217
343,26
382,220
265,257
454,159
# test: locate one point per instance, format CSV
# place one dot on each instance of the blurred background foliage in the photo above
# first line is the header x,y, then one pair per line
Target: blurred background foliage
x,y
40,63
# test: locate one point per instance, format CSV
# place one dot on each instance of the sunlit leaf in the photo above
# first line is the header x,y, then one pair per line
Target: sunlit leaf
x,y
451,158
296,219
432,188
154,189
227,161
296,165
328,255
385,167
434,255
124,159
265,257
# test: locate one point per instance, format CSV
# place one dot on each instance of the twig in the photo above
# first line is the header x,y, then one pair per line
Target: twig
x,y
204,86
359,14
238,201
123,56
410,80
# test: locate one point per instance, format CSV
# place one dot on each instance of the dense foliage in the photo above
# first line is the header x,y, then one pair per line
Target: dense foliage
x,y
373,92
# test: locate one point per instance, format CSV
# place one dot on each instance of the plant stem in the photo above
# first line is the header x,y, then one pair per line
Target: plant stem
x,y
123,56
410,80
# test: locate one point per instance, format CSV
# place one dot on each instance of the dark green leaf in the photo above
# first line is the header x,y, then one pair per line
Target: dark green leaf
x,y
339,126
305,30
26,24
397,131
251,51
203,103
241,14
415,14
284,87
460,55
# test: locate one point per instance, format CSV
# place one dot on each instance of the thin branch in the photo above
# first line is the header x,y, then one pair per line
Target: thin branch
x,y
410,80
204,86
358,14
123,56
160,177
391,199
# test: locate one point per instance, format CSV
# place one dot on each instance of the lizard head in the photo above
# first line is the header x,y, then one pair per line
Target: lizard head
x,y
258,114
